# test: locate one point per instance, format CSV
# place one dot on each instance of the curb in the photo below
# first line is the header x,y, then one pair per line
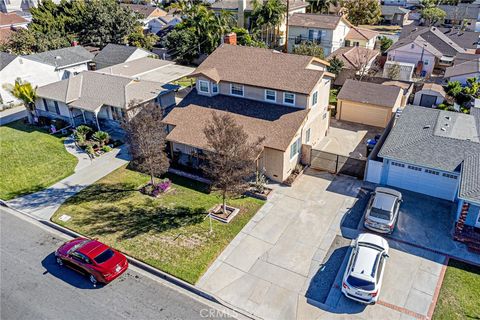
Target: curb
x,y
151,270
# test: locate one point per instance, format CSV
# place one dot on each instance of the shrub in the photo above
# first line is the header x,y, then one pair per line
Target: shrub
x,y
102,137
106,149
90,150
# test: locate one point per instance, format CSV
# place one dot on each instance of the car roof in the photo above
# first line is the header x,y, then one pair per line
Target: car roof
x,y
92,248
384,201
365,262
373,239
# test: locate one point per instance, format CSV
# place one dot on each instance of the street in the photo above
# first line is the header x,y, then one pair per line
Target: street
x,y
33,286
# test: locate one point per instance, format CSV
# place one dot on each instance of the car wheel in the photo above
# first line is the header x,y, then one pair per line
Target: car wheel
x,y
59,261
93,280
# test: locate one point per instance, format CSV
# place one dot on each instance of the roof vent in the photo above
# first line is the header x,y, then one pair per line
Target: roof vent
x,y
427,126
448,118
443,129
447,125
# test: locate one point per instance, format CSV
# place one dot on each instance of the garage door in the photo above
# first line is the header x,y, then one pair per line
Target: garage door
x,y
429,182
373,116
427,100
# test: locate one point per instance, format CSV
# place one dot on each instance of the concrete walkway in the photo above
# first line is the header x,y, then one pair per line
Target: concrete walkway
x,y
83,158
12,114
44,203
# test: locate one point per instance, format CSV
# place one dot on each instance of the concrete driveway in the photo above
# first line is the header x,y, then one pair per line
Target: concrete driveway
x,y
286,262
348,138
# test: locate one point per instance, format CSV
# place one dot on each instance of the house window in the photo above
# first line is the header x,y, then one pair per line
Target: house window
x,y
270,95
356,43
396,164
57,109
450,176
414,168
289,98
347,43
314,98
295,149
412,46
307,135
236,89
203,86
426,62
215,88
432,172
45,104
314,35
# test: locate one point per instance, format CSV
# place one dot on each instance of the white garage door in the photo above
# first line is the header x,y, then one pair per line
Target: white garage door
x,y
430,182
373,116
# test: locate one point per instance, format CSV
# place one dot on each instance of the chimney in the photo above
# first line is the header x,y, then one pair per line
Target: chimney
x,y
230,38
477,51
74,43
242,5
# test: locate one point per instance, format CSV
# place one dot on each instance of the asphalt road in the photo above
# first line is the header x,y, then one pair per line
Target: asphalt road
x,y
33,286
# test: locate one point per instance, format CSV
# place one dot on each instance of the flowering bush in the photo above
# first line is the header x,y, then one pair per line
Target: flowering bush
x,y
158,188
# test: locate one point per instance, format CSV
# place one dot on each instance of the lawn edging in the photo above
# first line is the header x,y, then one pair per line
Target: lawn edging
x,y
154,271
436,294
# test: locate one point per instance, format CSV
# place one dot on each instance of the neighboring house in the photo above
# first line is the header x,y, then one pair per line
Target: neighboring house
x,y
464,57
466,15
404,70
113,54
462,71
160,24
102,97
9,23
279,96
468,40
394,15
242,10
361,37
400,3
153,18
368,103
43,68
430,95
406,86
437,153
427,49
328,31
356,61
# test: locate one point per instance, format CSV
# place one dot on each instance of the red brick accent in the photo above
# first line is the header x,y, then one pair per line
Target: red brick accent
x,y
230,38
400,309
437,288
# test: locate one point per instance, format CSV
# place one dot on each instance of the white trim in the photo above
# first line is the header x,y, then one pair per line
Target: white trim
x,y
287,103
200,86
237,95
274,93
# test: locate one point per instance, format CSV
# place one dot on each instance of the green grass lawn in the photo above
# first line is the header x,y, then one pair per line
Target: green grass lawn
x,y
460,293
185,82
170,232
31,160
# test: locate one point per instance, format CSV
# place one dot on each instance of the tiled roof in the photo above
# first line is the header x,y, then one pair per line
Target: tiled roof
x,y
354,57
369,93
260,67
312,20
62,57
278,124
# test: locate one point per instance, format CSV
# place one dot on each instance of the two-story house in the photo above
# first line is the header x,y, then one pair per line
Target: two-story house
x,y
278,96
464,15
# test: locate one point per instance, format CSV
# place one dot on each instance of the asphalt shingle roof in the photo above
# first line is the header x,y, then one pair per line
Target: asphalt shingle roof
x,y
263,68
5,59
465,39
354,57
113,54
391,10
278,124
63,57
467,67
470,183
313,20
370,93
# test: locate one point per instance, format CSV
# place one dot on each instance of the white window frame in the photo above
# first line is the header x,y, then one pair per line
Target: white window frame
x,y
274,95
308,135
288,103
214,88
236,84
297,144
200,86
315,98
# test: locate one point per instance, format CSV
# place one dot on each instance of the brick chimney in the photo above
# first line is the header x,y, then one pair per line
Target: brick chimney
x,y
74,43
230,38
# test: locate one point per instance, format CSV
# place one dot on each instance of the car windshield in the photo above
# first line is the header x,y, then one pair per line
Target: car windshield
x,y
381,214
360,283
104,256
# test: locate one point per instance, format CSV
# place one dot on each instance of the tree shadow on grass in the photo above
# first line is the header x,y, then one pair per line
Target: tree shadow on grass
x,y
131,220
104,193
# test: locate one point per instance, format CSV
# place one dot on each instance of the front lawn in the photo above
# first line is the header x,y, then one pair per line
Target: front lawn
x,y
185,82
170,232
460,293
31,159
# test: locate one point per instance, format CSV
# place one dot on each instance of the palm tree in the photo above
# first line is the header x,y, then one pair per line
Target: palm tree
x,y
268,15
102,137
322,6
24,91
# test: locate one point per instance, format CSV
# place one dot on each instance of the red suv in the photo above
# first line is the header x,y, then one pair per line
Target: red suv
x,y
100,262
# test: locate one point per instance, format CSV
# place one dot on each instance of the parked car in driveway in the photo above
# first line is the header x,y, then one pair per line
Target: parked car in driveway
x,y
364,274
381,213
92,258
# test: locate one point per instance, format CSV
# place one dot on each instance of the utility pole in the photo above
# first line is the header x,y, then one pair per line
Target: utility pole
x,y
286,28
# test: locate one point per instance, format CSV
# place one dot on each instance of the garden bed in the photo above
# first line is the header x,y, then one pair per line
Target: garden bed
x,y
297,173
254,193
218,213
93,142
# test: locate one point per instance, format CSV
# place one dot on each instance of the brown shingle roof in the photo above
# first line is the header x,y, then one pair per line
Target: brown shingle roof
x,y
261,68
8,19
311,20
278,124
354,57
434,87
370,93
356,33
472,66
143,10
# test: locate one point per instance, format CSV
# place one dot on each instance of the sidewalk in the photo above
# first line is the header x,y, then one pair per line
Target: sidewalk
x,y
43,204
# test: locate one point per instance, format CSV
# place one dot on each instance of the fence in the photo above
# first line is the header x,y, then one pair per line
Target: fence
x,y
335,163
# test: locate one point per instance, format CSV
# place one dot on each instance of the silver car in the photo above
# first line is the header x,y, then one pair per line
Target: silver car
x,y
382,210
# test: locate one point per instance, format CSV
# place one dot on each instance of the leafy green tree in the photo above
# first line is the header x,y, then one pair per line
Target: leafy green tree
x,y
454,88
322,6
267,17
184,42
24,91
336,65
244,38
433,15
362,11
472,88
142,40
309,49
385,43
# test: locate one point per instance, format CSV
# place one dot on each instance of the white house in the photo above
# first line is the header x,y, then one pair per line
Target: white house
x,y
113,54
430,95
463,71
43,68
162,23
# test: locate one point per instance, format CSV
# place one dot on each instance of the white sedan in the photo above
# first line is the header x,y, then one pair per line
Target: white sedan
x,y
363,277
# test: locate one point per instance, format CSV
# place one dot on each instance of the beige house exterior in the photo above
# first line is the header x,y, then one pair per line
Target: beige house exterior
x,y
368,103
288,112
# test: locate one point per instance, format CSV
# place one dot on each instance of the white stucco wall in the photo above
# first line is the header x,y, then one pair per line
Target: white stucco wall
x,y
413,55
463,78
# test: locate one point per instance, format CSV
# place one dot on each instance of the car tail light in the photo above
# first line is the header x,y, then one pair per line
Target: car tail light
x,y
391,227
345,285
374,294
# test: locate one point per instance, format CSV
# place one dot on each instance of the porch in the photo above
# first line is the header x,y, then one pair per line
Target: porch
x,y
467,227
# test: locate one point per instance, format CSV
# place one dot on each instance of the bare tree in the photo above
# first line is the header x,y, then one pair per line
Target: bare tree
x,y
231,156
146,139
363,64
